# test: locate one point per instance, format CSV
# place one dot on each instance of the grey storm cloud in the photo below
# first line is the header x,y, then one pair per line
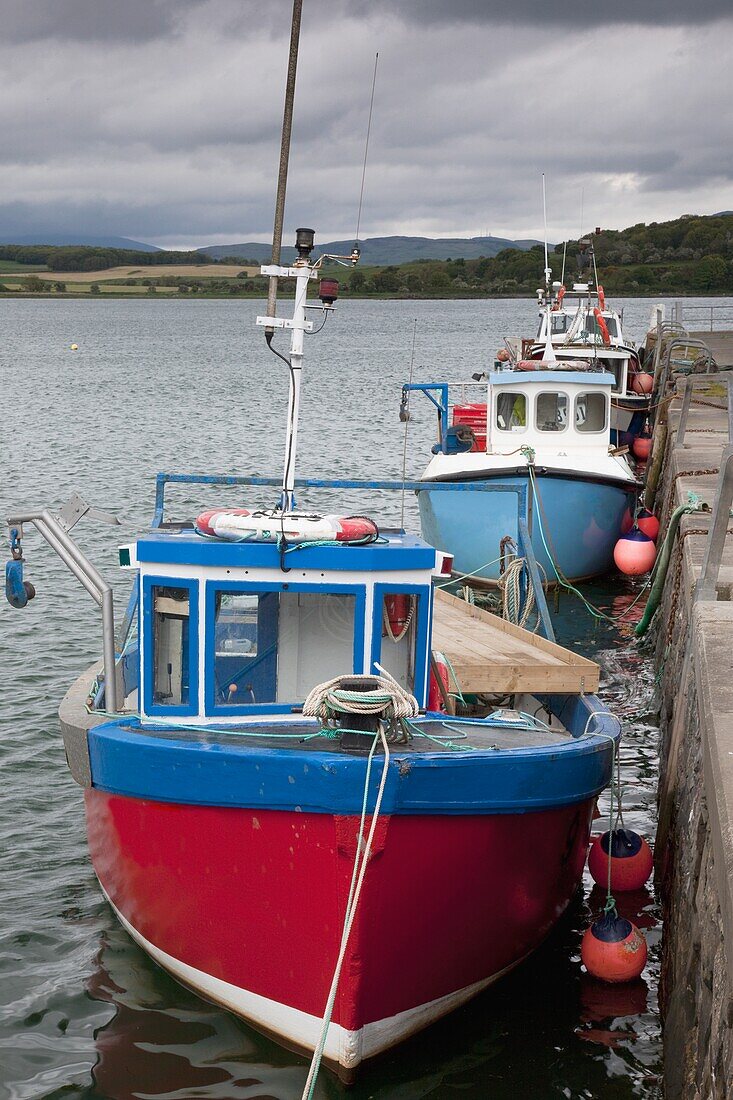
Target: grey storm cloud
x,y
159,119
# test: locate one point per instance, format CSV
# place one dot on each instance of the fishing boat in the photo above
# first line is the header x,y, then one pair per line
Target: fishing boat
x,y
538,432
280,810
579,323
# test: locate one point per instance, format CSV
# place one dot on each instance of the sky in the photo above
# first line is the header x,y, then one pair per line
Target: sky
x,y
160,119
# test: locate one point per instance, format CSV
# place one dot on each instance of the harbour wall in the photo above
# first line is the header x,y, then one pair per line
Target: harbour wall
x,y
694,848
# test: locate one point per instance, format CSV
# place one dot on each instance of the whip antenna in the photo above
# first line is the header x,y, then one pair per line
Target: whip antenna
x,y
282,179
548,269
366,146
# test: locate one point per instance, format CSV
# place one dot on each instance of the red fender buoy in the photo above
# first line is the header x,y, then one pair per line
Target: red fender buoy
x,y
601,298
630,856
634,553
613,949
642,382
435,696
647,522
642,446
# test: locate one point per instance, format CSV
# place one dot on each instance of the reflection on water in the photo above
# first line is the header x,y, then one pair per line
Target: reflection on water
x,y
83,1013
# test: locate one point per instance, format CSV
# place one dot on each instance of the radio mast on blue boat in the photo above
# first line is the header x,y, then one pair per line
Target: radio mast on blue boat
x,y
549,352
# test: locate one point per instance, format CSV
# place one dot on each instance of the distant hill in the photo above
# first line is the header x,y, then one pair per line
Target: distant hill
x,y
382,250
63,240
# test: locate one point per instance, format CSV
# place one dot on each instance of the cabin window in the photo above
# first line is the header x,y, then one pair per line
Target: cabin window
x,y
591,412
171,638
273,647
593,329
399,631
559,322
511,411
245,647
551,412
317,633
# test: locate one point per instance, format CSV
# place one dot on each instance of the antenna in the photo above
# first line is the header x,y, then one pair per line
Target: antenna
x,y
366,147
548,269
564,254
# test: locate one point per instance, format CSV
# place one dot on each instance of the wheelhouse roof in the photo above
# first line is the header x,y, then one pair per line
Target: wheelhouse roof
x,y
397,551
556,377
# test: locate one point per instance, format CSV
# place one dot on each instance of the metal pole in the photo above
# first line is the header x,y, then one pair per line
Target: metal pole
x,y
707,586
51,530
282,179
682,426
296,371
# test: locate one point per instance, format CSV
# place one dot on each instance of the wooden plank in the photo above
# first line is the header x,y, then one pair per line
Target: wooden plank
x,y
491,655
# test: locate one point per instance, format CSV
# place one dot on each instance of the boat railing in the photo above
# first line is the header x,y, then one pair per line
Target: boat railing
x,y
520,491
710,317
707,586
691,384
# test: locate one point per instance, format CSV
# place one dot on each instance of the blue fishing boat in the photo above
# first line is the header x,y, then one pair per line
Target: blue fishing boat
x,y
540,434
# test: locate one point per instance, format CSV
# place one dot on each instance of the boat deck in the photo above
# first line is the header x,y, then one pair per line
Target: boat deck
x,y
492,656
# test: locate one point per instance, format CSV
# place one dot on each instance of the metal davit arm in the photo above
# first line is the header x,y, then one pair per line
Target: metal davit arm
x,y
52,530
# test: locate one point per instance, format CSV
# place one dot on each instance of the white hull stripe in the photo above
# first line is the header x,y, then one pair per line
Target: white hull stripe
x,y
301,1029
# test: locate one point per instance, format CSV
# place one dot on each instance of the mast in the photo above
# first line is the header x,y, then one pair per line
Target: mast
x,y
282,178
549,353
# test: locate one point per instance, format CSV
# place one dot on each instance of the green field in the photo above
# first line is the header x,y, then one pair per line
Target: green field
x,y
25,269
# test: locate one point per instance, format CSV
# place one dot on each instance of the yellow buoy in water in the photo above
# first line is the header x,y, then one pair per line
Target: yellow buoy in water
x,y
74,347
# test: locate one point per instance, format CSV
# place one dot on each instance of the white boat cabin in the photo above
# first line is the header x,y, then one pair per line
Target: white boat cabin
x,y
545,409
226,634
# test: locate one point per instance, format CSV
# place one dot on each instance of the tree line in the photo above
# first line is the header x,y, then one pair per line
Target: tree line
x,y
94,258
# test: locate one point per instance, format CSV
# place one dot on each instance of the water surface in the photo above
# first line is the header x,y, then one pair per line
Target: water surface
x,y
190,386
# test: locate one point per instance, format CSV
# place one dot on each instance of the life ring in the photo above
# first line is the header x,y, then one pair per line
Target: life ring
x,y
560,296
601,298
602,327
242,525
397,615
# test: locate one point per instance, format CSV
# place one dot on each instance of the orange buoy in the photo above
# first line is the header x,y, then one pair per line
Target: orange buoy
x,y
634,553
435,695
647,522
642,446
642,382
630,856
613,949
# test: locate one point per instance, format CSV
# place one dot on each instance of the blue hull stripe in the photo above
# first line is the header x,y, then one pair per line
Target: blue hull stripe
x,y
222,770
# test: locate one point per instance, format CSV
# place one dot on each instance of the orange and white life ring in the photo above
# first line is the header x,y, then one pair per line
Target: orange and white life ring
x,y
560,296
601,298
242,525
397,617
603,327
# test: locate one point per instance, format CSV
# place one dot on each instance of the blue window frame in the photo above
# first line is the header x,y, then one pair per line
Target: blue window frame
x,y
170,617
424,594
243,640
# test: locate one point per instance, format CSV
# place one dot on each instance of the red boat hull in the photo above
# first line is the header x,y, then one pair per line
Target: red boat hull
x,y
247,907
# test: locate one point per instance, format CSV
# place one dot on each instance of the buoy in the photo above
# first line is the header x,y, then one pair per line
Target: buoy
x,y
74,347
642,446
435,695
647,522
642,382
631,860
613,949
634,553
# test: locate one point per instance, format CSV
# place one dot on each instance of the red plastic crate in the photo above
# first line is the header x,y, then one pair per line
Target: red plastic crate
x,y
474,415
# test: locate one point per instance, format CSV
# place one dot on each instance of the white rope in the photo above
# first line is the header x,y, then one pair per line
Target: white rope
x,y
387,699
408,622
511,593
357,879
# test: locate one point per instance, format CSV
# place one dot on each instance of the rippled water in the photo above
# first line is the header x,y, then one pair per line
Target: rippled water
x,y
190,386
